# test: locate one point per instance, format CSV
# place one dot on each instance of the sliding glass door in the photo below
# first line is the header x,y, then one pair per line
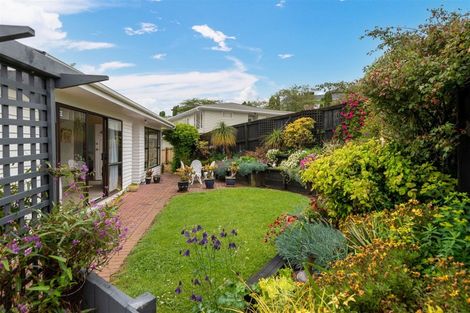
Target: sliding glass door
x,y
114,155
93,140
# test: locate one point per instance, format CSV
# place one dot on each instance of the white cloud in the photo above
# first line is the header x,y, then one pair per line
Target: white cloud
x,y
217,36
104,67
161,91
145,28
281,3
285,55
159,56
44,17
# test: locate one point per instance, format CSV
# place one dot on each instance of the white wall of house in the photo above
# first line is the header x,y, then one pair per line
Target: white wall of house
x,y
132,131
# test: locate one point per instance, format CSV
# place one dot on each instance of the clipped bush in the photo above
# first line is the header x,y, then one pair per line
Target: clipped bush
x,y
298,134
317,243
184,139
246,167
367,176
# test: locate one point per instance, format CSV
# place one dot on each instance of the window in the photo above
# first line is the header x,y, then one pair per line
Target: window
x,y
114,155
227,114
152,147
198,118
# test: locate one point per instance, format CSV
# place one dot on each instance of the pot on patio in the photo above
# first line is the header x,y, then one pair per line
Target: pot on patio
x,y
148,176
183,186
230,181
148,180
156,179
209,182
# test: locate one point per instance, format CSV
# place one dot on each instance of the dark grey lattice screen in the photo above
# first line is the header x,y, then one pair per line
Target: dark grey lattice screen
x,y
26,101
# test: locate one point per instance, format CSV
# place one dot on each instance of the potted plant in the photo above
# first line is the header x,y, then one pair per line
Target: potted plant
x,y
156,179
209,179
148,176
230,180
184,172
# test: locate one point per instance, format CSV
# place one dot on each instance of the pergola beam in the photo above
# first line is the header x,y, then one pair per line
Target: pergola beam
x,y
11,32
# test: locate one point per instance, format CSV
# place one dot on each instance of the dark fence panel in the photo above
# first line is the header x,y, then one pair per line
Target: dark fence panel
x,y
250,135
26,142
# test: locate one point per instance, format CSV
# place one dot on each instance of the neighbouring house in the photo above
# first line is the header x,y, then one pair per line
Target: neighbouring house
x,y
206,117
51,112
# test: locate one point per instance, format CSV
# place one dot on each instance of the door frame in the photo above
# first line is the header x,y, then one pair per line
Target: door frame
x,y
105,164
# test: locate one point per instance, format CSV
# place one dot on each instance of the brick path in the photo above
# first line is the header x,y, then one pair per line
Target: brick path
x,y
137,211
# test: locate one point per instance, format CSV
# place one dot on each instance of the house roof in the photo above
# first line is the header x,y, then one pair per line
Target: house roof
x,y
231,107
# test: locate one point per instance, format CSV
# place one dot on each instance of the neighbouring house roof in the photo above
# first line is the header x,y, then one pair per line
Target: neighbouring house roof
x,y
231,107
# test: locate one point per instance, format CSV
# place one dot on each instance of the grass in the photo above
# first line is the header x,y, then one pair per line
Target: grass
x,y
155,264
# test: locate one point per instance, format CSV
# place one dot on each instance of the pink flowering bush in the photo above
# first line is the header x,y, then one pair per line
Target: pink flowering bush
x,y
44,263
352,118
307,160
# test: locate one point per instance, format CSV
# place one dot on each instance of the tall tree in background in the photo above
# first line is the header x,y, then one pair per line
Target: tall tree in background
x,y
162,113
189,104
256,103
295,98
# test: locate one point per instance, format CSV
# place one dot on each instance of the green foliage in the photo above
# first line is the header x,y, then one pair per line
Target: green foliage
x,y
45,261
414,84
184,140
380,278
295,98
274,140
162,114
248,165
317,243
367,176
189,104
224,136
298,134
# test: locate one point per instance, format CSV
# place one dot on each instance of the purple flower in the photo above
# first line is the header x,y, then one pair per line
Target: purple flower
x,y
195,298
223,234
186,234
13,246
75,242
178,289
234,232
203,241
217,244
186,253
199,227
196,282
28,251
232,245
204,235
23,308
194,230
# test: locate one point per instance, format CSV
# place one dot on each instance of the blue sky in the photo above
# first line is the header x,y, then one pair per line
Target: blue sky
x,y
162,52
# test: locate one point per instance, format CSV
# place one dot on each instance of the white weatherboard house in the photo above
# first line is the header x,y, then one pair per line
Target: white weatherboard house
x,y
116,137
206,117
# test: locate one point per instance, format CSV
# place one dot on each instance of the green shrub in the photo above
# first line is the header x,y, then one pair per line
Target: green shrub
x,y
184,139
368,176
250,166
317,243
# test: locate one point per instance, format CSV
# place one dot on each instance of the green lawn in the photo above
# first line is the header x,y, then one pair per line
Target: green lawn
x,y
155,264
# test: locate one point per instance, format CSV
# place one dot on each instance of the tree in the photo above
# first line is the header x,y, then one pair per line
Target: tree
x,y
189,104
184,140
295,98
162,113
256,103
224,136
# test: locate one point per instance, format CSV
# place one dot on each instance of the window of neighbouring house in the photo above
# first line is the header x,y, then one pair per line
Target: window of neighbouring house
x,y
198,120
152,147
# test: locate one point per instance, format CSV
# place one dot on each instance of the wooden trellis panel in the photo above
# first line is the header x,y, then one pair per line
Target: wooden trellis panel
x,y
26,143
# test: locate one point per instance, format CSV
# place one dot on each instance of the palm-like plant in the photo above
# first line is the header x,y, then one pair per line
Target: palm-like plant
x,y
224,136
273,140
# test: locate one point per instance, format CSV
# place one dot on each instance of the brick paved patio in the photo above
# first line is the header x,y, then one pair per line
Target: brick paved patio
x,y
138,210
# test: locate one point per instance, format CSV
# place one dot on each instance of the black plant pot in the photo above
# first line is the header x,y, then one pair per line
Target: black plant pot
x,y
183,186
230,181
148,180
156,179
209,183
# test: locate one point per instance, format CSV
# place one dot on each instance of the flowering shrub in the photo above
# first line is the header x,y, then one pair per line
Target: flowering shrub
x,y
279,225
208,253
293,160
298,134
307,160
272,156
353,115
44,263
